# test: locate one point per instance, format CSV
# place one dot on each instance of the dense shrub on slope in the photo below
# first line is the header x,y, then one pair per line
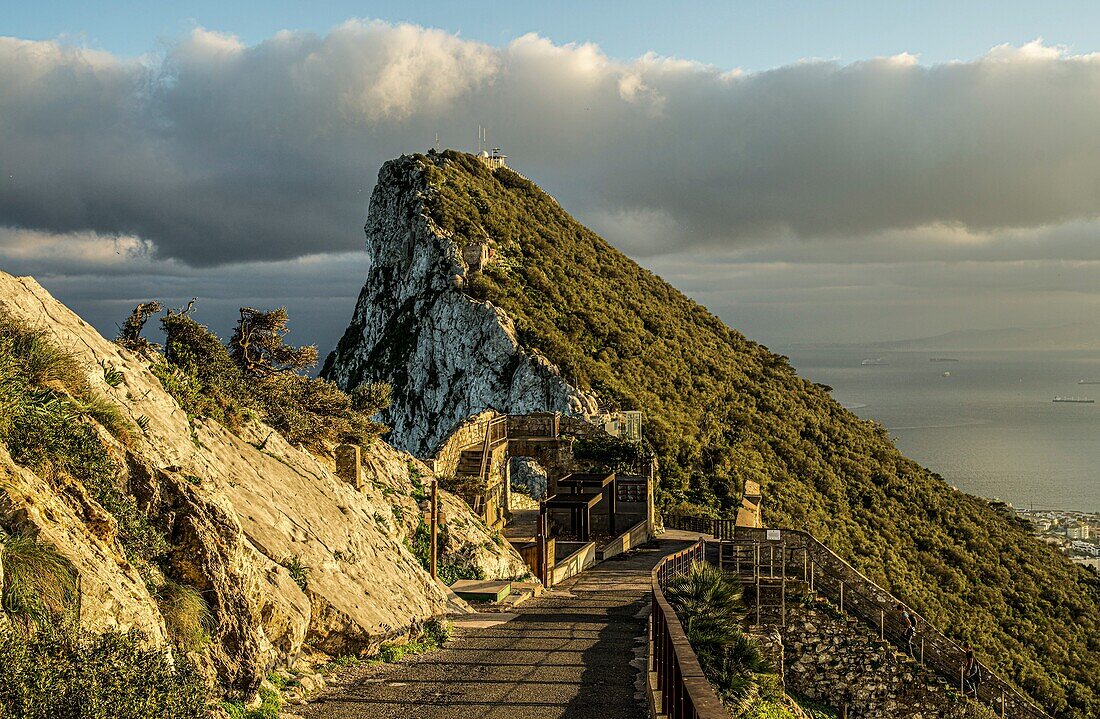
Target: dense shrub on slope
x,y
60,672
721,409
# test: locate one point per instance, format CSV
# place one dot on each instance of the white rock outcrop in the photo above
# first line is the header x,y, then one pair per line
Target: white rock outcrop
x,y
446,355
236,508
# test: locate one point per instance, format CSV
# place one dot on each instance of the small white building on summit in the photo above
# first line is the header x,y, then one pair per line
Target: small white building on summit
x,y
493,158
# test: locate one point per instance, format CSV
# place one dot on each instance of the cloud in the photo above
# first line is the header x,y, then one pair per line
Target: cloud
x,y
217,152
797,202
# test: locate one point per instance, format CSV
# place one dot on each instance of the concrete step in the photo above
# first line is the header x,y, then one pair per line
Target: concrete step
x,y
535,588
482,590
516,598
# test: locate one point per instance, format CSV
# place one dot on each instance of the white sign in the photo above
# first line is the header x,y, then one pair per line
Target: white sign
x,y
773,535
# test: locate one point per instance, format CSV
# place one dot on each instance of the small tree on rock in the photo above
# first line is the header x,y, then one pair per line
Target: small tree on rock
x,y
258,348
129,334
371,398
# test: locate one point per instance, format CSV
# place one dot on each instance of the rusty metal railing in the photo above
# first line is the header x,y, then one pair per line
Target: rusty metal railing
x,y
682,690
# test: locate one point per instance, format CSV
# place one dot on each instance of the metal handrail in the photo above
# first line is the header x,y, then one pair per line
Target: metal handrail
x,y
831,576
686,693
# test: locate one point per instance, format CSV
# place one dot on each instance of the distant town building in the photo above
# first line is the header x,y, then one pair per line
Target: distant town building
x,y
1077,530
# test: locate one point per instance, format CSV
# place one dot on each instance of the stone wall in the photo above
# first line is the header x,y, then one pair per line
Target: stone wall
x,y
469,434
836,660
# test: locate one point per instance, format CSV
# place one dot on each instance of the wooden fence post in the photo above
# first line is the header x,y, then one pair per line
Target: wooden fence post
x,y
435,528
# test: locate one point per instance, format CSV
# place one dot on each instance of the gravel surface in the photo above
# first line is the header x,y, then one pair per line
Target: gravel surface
x,y
576,652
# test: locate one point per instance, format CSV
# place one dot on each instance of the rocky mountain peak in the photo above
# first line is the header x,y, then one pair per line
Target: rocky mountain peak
x,y
446,354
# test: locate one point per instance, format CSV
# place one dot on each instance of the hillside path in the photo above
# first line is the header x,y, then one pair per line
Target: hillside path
x,y
574,652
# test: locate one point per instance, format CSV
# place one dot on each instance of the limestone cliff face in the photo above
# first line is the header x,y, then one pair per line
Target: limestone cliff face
x,y
237,508
447,355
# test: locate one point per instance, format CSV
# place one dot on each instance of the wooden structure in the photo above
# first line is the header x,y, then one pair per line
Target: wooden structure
x,y
603,484
579,509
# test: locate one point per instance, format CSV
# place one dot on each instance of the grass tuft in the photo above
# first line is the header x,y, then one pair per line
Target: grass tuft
x,y
186,615
39,583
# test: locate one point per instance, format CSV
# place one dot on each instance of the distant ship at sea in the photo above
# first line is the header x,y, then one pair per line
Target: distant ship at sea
x,y
1088,381
1075,400
942,359
873,362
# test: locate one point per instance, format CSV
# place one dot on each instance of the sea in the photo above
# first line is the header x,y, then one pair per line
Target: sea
x,y
990,428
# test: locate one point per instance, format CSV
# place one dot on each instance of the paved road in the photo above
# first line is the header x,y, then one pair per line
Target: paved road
x,y
575,652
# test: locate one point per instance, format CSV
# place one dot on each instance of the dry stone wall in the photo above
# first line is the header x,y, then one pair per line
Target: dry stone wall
x,y
836,660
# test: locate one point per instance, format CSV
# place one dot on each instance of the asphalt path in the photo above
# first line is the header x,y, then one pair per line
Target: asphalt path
x,y
575,652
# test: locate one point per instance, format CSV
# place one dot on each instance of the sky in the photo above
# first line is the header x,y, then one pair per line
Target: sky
x,y
812,172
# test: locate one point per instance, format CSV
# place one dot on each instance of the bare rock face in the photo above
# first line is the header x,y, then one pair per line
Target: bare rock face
x,y
446,355
236,517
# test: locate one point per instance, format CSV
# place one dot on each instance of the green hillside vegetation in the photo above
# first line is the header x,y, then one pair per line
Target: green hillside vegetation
x,y
721,409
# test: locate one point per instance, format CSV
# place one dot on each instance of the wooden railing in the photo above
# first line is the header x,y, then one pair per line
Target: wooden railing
x,y
796,556
496,431
682,690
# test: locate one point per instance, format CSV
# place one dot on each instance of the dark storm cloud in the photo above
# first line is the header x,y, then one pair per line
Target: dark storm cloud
x,y
216,152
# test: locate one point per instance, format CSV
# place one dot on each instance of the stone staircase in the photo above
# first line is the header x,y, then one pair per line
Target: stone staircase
x,y
496,595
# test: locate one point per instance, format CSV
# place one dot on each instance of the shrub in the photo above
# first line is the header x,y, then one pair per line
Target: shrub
x,y
39,583
312,412
186,615
257,372
60,672
613,453
709,604
258,348
129,334
210,383
370,398
449,567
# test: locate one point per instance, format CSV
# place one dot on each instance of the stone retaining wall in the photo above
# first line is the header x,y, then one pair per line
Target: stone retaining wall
x,y
835,661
